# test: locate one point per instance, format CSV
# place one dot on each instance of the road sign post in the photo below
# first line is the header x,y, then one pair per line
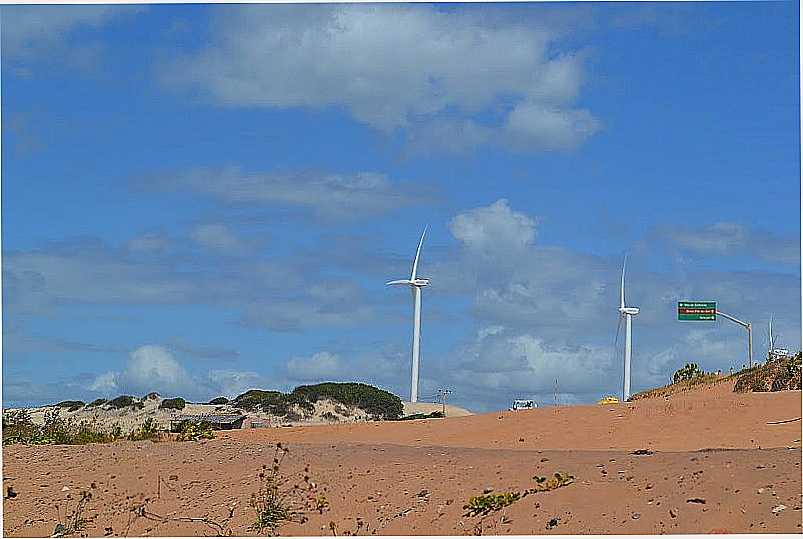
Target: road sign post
x,y
707,311
697,310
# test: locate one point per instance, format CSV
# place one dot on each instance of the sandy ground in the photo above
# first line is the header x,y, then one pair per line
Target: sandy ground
x,y
714,465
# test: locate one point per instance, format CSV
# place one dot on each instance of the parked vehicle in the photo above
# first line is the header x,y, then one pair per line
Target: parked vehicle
x,y
608,399
523,404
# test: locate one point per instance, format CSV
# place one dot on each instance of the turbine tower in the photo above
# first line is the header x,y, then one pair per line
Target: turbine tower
x,y
627,313
416,284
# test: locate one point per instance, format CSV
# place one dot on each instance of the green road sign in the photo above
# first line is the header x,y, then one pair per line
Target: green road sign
x,y
697,310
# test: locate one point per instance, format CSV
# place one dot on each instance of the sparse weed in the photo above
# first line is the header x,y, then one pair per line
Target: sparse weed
x,y
75,521
277,501
487,503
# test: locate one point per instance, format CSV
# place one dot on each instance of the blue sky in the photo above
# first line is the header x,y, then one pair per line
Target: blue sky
x,y
199,200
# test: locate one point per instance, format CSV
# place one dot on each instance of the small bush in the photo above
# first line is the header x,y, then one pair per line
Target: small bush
x,y
329,416
486,503
97,402
149,430
18,428
195,430
689,372
71,406
124,401
219,400
173,404
774,375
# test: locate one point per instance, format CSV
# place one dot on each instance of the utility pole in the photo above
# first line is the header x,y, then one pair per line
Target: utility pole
x,y
556,391
749,327
443,394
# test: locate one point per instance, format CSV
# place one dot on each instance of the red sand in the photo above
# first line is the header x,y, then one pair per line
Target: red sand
x,y
412,478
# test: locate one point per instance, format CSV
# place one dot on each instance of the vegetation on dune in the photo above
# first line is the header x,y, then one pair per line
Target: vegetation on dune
x,y
18,427
278,501
71,406
97,402
685,378
173,404
124,401
375,402
190,431
219,400
487,503
774,375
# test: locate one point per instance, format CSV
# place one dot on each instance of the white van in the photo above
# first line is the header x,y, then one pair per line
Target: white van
x,y
521,404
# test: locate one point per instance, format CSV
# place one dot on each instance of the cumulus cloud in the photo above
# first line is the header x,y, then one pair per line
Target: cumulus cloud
x,y
155,368
327,195
398,67
494,229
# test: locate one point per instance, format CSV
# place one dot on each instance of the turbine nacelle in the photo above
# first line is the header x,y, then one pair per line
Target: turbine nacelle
x,y
632,311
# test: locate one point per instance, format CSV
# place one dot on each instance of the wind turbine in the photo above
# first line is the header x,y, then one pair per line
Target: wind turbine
x,y
416,284
627,313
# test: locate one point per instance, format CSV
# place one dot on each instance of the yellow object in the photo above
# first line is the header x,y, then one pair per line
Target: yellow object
x,y
610,399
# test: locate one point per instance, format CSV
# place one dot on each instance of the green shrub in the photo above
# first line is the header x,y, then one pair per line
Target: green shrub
x,y
329,416
71,405
124,401
774,375
195,430
147,431
377,403
689,372
219,400
18,428
97,402
173,404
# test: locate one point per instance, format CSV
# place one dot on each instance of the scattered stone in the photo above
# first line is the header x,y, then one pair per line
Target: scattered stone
x,y
635,516
553,522
173,478
696,500
487,490
10,492
778,508
643,452
59,529
544,459
673,513
65,489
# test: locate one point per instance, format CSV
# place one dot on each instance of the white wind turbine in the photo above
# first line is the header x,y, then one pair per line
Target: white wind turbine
x,y
627,313
416,284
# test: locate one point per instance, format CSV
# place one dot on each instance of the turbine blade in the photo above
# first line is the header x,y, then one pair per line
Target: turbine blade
x,y
622,298
616,340
399,281
417,254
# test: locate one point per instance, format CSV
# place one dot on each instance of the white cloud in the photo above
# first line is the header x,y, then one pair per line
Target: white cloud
x,y
316,367
396,67
494,229
328,195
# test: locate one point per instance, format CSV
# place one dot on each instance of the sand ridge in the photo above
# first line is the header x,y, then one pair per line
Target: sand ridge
x,y
413,477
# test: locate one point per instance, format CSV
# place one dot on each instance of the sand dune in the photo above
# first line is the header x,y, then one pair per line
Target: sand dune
x,y
714,465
